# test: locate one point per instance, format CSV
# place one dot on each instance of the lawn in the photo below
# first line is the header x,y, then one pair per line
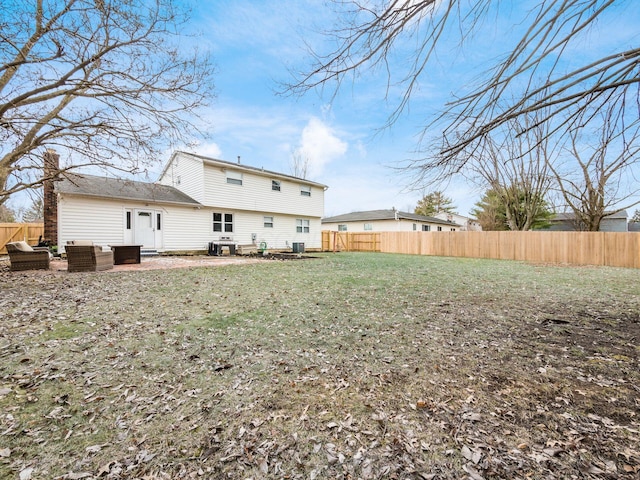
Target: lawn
x,y
341,366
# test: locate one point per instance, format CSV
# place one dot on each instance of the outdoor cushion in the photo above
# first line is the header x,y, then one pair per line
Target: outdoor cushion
x,y
80,242
23,246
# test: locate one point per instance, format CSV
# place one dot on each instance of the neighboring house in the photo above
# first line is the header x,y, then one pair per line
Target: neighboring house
x,y
386,221
467,224
633,226
196,200
616,222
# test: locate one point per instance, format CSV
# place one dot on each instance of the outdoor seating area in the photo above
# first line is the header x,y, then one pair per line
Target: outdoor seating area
x,y
25,257
84,256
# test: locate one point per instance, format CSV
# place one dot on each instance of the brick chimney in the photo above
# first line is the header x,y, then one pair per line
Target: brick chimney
x,y
50,201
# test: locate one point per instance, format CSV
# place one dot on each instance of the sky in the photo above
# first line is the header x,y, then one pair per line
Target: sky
x,y
256,44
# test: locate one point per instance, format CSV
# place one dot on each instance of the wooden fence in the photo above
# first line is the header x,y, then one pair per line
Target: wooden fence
x,y
619,249
13,232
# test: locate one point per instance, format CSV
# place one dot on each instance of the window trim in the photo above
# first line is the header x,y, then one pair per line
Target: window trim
x,y
266,222
305,190
303,225
225,224
342,227
234,177
276,185
368,227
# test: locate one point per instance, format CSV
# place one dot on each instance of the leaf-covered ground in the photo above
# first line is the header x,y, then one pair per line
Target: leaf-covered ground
x,y
360,366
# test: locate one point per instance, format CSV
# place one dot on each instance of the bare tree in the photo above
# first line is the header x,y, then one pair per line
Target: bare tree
x,y
597,180
299,163
515,164
533,76
102,80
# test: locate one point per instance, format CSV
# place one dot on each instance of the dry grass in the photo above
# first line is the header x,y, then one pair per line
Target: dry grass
x,y
343,366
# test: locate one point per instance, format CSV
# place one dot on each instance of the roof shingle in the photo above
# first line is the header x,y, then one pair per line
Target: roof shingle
x,y
107,187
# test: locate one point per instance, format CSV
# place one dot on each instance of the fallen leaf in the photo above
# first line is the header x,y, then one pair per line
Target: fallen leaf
x,y
78,476
471,455
26,473
5,452
95,448
473,473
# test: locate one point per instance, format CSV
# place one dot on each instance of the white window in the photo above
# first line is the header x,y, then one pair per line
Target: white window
x,y
268,222
275,185
368,226
234,178
439,229
223,222
426,228
342,228
302,226
305,190
415,227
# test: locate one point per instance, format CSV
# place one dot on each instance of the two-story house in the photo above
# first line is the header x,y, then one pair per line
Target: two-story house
x,y
196,200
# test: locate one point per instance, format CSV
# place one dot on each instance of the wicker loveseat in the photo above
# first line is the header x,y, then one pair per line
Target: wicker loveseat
x,y
84,256
25,257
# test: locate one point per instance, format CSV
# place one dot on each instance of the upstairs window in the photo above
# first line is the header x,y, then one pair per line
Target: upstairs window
x,y
275,185
426,228
439,229
305,190
368,226
235,178
342,228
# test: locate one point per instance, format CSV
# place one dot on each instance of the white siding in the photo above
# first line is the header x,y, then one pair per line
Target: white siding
x,y
90,219
185,173
280,237
255,194
183,228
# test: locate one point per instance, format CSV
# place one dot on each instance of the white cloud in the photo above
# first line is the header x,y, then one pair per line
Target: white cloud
x,y
210,149
320,145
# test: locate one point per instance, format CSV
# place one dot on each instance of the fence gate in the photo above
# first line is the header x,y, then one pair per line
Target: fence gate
x,y
15,232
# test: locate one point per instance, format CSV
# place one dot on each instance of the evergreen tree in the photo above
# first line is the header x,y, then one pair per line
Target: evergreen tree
x,y
433,203
491,211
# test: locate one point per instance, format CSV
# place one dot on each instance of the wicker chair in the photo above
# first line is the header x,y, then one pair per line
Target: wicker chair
x,y
25,257
87,258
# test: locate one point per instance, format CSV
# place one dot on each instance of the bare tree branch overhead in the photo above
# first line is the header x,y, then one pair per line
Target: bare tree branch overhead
x,y
107,82
546,72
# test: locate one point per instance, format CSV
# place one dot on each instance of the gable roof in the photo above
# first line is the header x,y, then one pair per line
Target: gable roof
x,y
242,167
392,214
107,187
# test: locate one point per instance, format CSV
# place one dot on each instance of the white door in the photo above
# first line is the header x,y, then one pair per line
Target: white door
x,y
144,228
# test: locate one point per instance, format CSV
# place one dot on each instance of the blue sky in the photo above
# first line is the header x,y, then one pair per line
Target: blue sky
x,y
256,43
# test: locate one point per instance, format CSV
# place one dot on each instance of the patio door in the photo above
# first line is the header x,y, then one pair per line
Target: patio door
x,y
144,228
